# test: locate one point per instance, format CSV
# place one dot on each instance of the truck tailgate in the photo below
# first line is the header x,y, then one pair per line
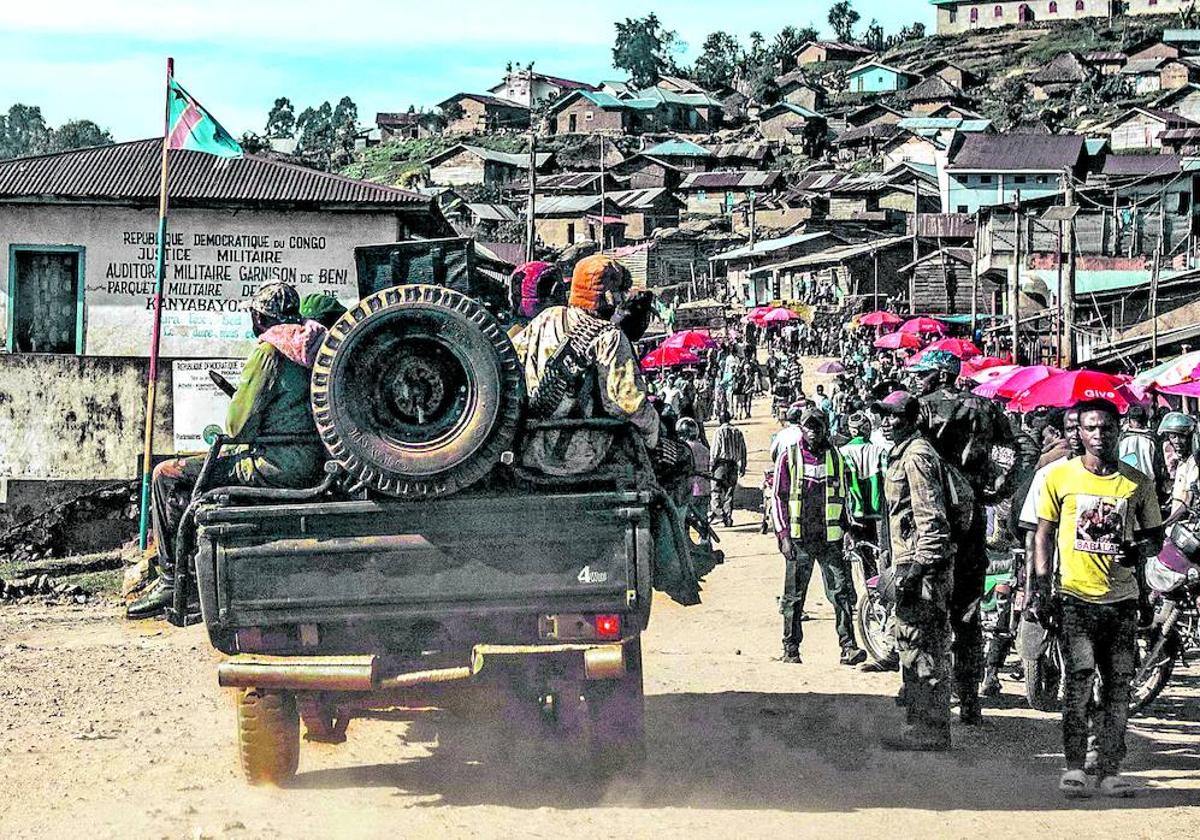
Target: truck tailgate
x,y
349,561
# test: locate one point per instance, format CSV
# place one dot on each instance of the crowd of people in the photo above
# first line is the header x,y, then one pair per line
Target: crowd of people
x,y
907,456
902,456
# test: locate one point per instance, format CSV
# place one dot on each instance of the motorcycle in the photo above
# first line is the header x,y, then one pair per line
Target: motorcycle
x,y
874,615
1037,646
1174,582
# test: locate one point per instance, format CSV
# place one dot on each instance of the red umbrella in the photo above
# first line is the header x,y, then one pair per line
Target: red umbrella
x,y
661,357
924,325
960,347
879,319
689,340
1023,378
897,341
1064,390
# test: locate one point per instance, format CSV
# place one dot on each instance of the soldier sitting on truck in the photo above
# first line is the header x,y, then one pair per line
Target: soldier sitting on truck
x,y
578,363
271,399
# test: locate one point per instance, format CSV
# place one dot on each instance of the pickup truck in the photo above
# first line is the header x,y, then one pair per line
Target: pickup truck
x,y
427,569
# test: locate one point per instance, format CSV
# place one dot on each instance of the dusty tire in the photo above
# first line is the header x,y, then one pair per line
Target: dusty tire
x,y
873,624
1155,676
268,736
417,391
1042,677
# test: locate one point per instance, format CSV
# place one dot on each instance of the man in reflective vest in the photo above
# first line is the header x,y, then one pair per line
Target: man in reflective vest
x,y
809,516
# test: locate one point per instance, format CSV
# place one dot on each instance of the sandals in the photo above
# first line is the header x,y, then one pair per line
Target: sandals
x,y
1075,784
1117,787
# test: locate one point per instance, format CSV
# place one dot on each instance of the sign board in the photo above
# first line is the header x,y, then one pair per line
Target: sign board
x,y
199,405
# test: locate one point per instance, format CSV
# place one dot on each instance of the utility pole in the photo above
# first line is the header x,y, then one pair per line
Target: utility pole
x,y
1014,291
1068,299
530,229
1158,255
753,220
975,276
603,199
916,249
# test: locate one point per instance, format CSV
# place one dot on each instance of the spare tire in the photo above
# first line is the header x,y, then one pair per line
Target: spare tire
x,y
417,391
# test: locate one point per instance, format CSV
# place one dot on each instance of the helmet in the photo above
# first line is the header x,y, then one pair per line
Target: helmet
x,y
1178,423
687,429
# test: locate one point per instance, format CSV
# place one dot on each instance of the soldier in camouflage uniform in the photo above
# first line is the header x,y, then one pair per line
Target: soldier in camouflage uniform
x,y
923,560
964,428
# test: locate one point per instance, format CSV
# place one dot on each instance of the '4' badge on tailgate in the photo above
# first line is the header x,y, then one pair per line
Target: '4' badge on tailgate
x,y
586,575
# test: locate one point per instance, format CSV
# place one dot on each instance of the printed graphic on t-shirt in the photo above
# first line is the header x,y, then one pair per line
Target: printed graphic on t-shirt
x,y
1100,524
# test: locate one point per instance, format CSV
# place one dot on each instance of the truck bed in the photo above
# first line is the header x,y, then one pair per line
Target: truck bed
x,y
467,556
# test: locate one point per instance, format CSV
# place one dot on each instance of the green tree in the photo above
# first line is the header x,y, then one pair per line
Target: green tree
x,y
842,19
317,135
281,120
345,127
78,134
718,61
644,49
253,144
24,132
790,39
873,36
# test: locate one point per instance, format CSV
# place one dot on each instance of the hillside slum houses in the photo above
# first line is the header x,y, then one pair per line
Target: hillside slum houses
x,y
866,178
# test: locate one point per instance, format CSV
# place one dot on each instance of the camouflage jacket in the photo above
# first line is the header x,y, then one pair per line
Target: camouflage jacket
x,y
918,517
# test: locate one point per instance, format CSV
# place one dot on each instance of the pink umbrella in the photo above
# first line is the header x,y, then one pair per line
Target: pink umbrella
x,y
661,357
960,347
1024,378
993,374
924,325
690,340
879,319
971,367
1065,389
897,341
779,315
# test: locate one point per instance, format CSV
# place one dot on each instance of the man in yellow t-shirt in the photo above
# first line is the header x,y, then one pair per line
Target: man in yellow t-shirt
x,y
1106,517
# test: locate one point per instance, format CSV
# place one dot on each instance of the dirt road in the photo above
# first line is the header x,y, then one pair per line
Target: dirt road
x,y
109,729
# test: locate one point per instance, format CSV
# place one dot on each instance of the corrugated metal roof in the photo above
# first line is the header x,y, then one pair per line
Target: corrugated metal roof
x,y
747,150
553,205
677,148
780,107
484,99
770,246
1142,66
521,161
837,254
493,212
931,89
638,199
568,181
1018,152
130,172
1141,165
729,180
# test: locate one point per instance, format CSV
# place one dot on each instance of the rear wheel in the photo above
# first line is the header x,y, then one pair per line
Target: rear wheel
x,y
875,624
1042,678
1152,675
268,736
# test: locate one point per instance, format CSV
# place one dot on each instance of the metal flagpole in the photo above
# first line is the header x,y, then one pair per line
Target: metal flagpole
x,y
160,274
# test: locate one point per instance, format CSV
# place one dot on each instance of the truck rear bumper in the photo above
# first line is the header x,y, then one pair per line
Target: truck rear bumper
x,y
362,673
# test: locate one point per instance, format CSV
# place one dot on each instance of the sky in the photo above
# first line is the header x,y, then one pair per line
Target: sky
x,y
105,60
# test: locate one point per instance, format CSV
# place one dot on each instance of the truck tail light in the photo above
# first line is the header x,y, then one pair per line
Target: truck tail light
x,y
608,626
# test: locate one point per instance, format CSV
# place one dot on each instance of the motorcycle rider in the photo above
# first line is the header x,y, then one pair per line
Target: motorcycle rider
x,y
1176,431
1104,516
923,558
1177,442
1142,450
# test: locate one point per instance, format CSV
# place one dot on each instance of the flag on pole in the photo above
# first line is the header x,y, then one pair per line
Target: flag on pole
x,y
191,127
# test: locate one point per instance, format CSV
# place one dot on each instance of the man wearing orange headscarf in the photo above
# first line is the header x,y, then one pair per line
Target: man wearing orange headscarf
x,y
582,336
